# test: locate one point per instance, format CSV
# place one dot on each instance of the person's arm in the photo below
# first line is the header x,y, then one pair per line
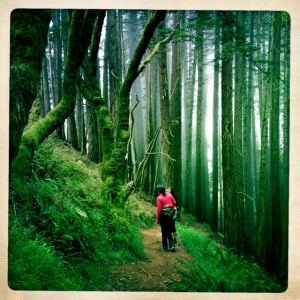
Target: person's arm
x,y
158,210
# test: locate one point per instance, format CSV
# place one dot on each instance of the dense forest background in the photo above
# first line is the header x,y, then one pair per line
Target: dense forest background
x,y
196,100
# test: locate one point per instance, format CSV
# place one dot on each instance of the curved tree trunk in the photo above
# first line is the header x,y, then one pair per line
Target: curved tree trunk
x,y
32,138
114,169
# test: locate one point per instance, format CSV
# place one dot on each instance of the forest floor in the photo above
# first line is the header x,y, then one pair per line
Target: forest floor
x,y
159,271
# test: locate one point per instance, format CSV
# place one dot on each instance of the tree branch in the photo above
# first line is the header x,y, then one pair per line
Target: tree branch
x,y
155,50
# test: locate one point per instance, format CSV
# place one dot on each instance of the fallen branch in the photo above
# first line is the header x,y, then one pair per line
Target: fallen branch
x,y
144,271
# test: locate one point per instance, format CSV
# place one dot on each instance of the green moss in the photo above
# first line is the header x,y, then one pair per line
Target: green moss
x,y
72,223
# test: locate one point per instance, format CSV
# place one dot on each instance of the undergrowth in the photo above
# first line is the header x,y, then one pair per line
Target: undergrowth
x,y
64,236
215,269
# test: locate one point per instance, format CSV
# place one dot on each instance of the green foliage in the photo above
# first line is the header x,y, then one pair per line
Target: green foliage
x,y
32,264
81,233
139,211
215,269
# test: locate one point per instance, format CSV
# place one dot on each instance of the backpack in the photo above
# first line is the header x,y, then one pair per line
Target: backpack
x,y
168,211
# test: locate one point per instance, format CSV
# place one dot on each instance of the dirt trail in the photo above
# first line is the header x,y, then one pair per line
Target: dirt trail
x,y
156,273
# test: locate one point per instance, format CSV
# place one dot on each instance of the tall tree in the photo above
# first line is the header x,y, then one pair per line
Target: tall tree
x,y
175,109
215,155
57,71
283,274
263,234
274,260
202,195
165,113
94,138
232,207
189,60
115,68
28,41
240,79
114,170
248,125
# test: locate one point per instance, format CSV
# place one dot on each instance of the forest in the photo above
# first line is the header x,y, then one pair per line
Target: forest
x,y
196,100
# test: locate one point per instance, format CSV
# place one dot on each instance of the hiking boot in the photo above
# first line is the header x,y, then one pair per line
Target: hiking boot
x,y
172,249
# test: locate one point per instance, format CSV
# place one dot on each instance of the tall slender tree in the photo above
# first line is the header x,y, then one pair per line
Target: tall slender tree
x,y
202,196
277,230
165,112
215,141
240,79
175,104
233,210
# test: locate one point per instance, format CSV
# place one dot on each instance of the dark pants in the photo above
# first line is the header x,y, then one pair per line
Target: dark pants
x,y
167,225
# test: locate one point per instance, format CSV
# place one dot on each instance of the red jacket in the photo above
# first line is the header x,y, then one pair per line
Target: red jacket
x,y
162,201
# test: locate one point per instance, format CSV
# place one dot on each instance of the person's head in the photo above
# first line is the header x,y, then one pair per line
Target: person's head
x,y
161,188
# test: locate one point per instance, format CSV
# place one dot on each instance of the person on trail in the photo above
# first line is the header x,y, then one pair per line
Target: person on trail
x,y
165,212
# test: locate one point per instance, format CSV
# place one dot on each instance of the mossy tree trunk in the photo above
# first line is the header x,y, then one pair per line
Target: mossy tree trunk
x,y
89,87
29,31
114,169
82,24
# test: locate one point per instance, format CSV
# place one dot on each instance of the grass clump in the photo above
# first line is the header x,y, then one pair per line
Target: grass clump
x,y
215,269
64,236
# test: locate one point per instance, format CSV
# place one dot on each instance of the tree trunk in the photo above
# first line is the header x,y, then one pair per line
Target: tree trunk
x,y
215,158
57,71
32,138
201,199
80,122
231,214
175,103
28,41
277,229
45,82
165,114
263,241
189,56
92,134
240,79
283,275
72,137
114,170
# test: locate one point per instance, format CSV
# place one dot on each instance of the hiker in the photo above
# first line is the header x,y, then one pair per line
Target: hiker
x,y
165,213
